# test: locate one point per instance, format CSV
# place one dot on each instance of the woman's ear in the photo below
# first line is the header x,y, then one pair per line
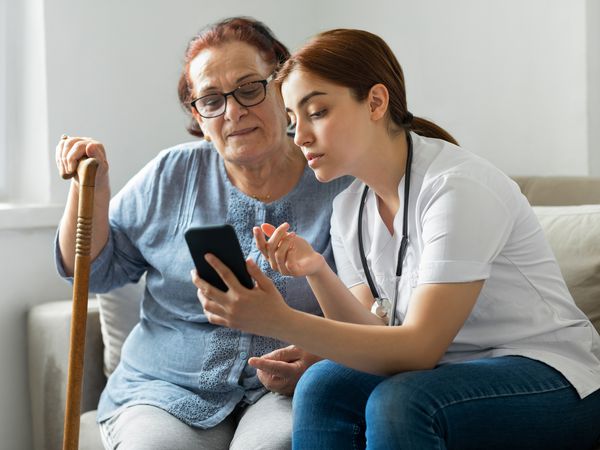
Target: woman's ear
x,y
197,117
378,99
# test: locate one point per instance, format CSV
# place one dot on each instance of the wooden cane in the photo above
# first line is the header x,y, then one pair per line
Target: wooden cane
x,y
86,171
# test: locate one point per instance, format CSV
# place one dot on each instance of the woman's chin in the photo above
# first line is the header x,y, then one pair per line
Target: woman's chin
x,y
324,177
245,154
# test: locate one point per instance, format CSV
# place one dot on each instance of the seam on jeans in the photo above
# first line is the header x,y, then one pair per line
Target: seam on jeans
x,y
433,433
540,391
355,433
105,435
108,426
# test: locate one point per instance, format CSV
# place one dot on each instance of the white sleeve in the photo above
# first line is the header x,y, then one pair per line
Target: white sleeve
x,y
345,269
465,224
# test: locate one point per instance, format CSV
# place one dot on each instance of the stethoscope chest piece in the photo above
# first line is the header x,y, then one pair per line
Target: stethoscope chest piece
x,y
382,307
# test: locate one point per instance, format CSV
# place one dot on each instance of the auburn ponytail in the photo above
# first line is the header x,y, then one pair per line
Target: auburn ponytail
x,y
424,127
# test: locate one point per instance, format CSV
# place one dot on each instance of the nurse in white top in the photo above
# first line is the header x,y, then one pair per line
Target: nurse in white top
x,y
485,349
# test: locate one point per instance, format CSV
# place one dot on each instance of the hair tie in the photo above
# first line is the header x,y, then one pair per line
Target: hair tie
x,y
408,119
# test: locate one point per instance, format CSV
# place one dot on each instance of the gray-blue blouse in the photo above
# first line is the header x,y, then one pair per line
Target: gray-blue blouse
x,y
174,359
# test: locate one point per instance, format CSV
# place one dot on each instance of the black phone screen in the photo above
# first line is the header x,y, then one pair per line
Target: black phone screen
x,y
221,241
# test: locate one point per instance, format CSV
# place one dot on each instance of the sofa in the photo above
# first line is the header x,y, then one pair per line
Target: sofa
x,y
569,212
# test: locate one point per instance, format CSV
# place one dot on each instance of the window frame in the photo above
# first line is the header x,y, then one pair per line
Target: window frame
x,y
4,182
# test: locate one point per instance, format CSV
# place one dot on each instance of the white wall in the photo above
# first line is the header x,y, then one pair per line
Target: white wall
x,y
508,79
593,84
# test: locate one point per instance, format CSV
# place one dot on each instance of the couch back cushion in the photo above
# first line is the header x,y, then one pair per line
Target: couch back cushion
x,y
560,191
574,235
119,313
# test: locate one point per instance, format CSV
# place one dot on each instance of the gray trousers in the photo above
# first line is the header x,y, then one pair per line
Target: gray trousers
x,y
265,425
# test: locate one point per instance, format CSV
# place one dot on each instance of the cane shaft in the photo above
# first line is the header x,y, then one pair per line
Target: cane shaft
x,y
87,173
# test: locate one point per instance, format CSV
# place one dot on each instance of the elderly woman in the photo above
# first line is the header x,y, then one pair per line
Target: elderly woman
x,y
183,382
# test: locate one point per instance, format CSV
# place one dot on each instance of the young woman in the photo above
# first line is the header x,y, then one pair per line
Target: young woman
x,y
487,348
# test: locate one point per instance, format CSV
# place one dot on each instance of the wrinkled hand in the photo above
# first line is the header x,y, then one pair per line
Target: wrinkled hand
x,y
70,149
260,310
287,252
280,370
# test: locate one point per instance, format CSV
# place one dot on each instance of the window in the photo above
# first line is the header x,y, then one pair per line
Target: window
x,y
3,100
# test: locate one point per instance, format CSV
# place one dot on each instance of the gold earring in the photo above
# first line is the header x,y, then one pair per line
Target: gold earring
x,y
207,138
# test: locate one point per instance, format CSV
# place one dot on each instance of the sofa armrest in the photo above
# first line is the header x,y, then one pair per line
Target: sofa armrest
x,y
48,327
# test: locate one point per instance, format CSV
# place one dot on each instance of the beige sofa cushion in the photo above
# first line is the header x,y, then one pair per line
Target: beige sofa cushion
x,y
560,191
574,235
119,313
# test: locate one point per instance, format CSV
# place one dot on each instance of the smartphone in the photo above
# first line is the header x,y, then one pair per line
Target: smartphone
x,y
221,241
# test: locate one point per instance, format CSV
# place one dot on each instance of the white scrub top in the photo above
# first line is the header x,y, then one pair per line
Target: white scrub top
x,y
468,221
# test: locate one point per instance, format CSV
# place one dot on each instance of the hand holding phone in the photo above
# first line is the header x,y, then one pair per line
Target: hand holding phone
x,y
221,241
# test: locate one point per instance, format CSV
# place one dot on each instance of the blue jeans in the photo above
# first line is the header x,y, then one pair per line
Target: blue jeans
x,y
503,403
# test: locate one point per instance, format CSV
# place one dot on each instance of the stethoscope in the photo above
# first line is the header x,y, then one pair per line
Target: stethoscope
x,y
383,307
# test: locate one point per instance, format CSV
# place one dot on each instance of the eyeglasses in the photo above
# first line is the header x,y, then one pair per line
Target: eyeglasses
x,y
248,94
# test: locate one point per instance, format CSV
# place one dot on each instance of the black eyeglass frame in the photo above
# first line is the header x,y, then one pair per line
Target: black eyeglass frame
x,y
264,83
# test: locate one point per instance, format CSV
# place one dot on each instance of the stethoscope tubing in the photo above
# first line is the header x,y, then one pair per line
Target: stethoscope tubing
x,y
403,242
